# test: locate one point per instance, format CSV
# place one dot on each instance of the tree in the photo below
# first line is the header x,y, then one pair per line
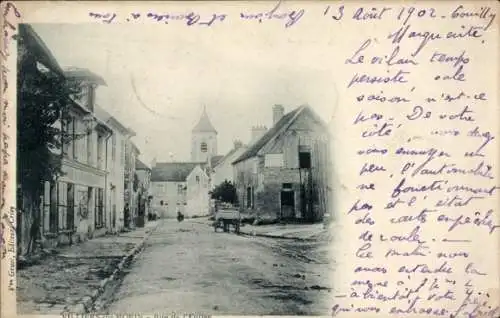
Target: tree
x,y
43,99
226,192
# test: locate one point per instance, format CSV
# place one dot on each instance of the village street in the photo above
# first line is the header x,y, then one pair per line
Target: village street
x,y
187,267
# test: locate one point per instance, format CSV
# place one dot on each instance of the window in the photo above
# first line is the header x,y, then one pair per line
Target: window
x,y
62,193
198,179
113,148
50,208
305,160
69,143
77,144
70,199
249,197
84,96
122,157
287,185
100,152
203,147
65,136
180,188
89,147
274,160
91,96
113,224
58,207
161,202
99,208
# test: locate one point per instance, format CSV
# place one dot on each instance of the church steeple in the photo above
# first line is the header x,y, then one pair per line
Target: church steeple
x,y
203,139
204,124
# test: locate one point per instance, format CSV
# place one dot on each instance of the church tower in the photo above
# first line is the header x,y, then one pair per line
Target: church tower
x,y
203,139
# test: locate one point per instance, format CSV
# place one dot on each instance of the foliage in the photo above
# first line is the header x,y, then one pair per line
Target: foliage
x,y
42,100
226,192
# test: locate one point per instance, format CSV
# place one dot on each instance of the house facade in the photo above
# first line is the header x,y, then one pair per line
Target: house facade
x,y
179,186
115,149
197,192
73,206
285,173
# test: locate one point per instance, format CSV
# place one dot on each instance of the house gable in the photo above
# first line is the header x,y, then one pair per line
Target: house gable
x,y
270,134
197,171
273,139
305,125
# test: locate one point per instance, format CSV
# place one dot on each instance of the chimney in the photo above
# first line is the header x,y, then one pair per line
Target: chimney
x,y
278,112
257,132
153,162
237,144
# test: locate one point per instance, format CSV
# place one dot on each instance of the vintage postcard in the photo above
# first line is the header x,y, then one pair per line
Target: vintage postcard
x,y
241,158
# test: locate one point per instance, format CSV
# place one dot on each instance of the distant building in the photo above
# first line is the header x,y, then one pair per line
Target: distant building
x,y
179,186
284,174
223,169
130,184
144,193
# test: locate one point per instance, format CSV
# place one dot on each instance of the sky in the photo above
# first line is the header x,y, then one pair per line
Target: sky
x,y
176,74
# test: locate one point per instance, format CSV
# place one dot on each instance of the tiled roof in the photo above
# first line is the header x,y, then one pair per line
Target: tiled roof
x,y
139,165
256,146
172,171
215,160
204,124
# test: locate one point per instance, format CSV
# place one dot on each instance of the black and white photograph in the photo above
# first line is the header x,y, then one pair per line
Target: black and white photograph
x,y
160,172
196,159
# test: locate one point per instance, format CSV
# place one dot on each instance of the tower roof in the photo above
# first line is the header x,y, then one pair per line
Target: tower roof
x,y
204,124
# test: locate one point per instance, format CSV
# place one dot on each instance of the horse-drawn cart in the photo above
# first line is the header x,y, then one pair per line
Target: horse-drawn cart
x,y
224,219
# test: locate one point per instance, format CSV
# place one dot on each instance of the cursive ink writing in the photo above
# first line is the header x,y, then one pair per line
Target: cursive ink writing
x,y
291,17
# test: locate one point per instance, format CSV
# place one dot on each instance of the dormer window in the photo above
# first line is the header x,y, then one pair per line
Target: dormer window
x,y
86,96
204,147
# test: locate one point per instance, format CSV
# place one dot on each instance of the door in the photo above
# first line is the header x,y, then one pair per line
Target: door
x,y
287,204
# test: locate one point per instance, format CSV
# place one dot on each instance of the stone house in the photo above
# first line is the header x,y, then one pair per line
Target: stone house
x,y
115,149
180,186
285,173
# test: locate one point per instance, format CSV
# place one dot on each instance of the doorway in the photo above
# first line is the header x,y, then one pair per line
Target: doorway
x,y
287,204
